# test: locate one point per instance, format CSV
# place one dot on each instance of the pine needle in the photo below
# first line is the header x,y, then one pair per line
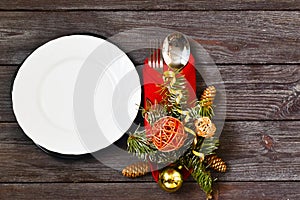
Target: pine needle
x,y
139,145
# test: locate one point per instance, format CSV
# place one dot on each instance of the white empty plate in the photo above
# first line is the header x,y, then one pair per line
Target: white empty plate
x,y
43,94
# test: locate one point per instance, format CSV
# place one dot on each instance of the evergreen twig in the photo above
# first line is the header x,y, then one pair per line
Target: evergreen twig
x,y
203,178
155,112
139,145
209,145
190,161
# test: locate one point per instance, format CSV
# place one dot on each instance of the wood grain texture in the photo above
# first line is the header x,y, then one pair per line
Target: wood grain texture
x,y
254,92
256,46
151,5
229,37
7,75
253,151
134,191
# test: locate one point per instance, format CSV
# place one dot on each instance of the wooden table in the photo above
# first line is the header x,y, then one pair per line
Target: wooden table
x,y
256,45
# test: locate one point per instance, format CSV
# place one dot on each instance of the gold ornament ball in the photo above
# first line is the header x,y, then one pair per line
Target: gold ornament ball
x,y
170,179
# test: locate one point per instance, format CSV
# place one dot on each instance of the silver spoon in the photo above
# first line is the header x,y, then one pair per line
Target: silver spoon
x,y
176,50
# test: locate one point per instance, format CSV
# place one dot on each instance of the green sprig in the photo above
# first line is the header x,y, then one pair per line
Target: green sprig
x,y
139,145
199,173
203,178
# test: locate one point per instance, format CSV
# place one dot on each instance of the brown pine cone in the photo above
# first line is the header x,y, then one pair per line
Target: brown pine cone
x,y
136,169
208,96
215,163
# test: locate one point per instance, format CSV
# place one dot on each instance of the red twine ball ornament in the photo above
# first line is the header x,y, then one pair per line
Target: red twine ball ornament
x,y
168,134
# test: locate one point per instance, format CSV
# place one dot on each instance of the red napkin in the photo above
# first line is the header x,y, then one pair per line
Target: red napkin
x,y
151,80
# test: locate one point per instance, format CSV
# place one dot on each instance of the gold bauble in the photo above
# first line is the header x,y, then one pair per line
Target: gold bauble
x,y
170,179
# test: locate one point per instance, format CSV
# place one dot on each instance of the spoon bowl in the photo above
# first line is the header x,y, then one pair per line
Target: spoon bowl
x,y
176,50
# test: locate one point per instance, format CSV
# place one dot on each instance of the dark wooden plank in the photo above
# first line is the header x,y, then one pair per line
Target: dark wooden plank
x,y
7,75
261,150
254,151
151,5
261,92
254,92
136,191
229,37
258,190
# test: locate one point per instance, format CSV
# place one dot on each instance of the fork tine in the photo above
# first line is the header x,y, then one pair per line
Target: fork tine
x,y
149,58
155,59
155,51
152,54
161,62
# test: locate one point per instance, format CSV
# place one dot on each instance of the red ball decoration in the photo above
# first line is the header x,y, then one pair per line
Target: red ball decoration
x,y
168,134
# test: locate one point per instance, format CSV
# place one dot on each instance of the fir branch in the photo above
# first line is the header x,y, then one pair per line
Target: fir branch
x,y
191,161
155,112
180,85
194,112
200,110
206,111
199,173
175,95
209,145
174,108
203,178
193,115
139,145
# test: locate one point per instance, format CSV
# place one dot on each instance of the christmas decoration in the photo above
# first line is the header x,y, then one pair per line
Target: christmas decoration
x,y
215,163
136,170
207,99
204,127
208,96
179,134
168,134
170,179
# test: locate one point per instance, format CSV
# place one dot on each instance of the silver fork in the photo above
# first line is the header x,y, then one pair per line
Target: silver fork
x,y
155,59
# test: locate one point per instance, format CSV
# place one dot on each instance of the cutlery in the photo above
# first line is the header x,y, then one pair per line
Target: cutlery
x,y
155,60
176,50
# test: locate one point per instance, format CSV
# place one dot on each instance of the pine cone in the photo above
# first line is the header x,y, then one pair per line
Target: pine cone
x,y
136,169
216,163
208,96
